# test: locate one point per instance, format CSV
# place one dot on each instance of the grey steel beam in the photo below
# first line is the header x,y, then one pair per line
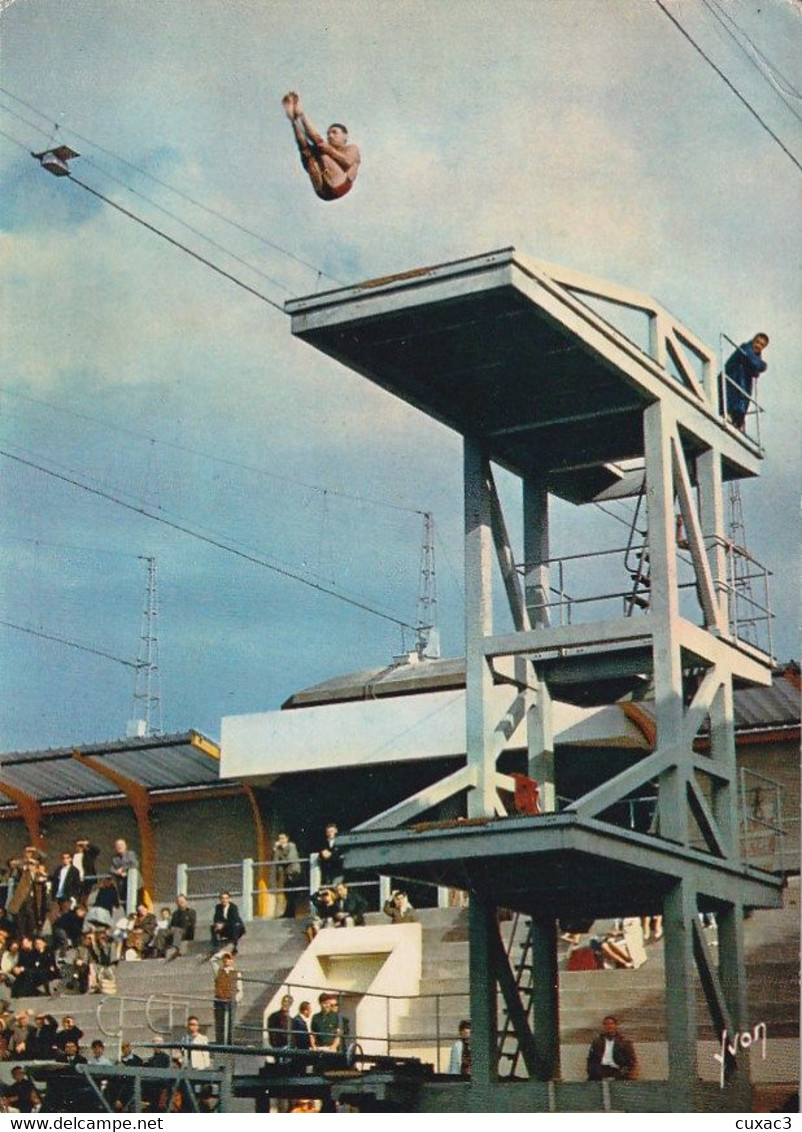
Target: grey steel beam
x,y
546,996
482,926
540,717
679,914
478,625
732,977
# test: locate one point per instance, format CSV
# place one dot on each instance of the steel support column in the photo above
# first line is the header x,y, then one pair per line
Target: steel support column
x,y
546,996
732,976
482,925
478,624
724,787
539,724
711,517
664,607
679,913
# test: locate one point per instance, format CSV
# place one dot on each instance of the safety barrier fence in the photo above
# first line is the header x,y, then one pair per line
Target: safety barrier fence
x,y
258,881
580,585
165,1015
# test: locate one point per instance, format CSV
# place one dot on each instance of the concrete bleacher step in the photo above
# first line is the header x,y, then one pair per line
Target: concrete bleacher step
x,y
267,954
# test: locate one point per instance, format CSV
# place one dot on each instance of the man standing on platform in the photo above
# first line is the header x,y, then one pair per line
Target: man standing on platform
x,y
742,367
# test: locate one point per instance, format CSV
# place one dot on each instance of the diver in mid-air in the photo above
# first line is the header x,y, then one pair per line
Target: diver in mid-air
x,y
331,165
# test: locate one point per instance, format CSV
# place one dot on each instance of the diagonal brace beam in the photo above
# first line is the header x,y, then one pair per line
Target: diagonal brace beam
x,y
616,788
711,985
462,779
705,820
677,353
682,484
701,704
506,561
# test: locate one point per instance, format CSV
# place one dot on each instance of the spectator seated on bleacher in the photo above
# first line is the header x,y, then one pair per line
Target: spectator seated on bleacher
x,y
105,902
182,928
399,909
35,969
21,1094
623,946
141,934
227,926
67,927
322,909
42,1042
68,1032
160,934
349,908
19,1032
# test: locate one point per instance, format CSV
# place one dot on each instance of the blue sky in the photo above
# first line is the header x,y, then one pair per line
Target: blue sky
x,y
587,132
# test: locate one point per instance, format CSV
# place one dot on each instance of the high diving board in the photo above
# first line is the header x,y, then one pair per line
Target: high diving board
x,y
509,351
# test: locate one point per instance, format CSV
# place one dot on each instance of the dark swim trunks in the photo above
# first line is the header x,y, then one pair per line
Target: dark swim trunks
x,y
331,192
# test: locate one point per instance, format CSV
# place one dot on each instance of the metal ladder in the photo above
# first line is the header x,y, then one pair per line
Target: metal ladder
x,y
636,563
509,1051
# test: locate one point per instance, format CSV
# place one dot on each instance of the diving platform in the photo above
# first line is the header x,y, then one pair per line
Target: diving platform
x,y
588,391
506,349
552,864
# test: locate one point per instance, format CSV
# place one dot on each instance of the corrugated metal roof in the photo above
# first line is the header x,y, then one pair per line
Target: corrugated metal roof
x,y
156,762
393,680
777,705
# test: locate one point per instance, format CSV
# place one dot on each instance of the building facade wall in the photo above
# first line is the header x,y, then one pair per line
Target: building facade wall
x,y
204,831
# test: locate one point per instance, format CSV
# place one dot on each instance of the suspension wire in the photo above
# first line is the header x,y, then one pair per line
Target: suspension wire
x,y
15,141
159,207
189,227
166,185
210,456
717,15
729,84
218,543
70,644
771,68
177,244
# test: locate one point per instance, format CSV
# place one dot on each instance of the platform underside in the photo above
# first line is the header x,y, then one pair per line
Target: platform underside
x,y
557,865
478,352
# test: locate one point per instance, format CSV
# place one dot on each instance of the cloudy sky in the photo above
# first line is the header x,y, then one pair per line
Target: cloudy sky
x,y
587,132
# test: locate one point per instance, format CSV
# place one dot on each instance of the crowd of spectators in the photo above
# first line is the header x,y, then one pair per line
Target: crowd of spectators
x,y
49,1081
65,930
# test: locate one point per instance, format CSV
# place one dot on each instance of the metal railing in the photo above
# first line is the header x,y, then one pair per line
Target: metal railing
x,y
577,592
762,827
438,1030
750,616
125,1005
261,884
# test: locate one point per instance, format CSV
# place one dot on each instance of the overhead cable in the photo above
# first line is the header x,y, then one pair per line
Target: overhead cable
x,y
717,14
178,192
212,457
258,561
70,644
733,88
177,244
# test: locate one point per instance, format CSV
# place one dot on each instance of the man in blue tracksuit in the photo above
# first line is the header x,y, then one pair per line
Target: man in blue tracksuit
x,y
742,367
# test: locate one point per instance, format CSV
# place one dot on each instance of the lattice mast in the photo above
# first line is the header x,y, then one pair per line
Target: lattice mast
x,y
427,631
146,713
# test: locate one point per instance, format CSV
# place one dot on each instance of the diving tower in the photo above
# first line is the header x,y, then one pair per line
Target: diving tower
x,y
538,369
